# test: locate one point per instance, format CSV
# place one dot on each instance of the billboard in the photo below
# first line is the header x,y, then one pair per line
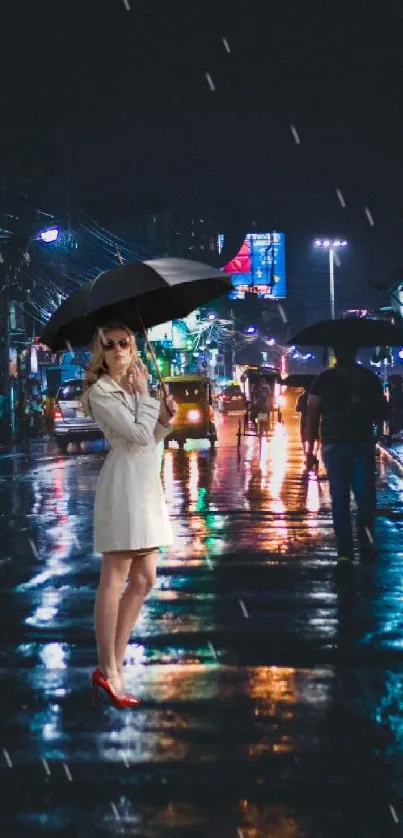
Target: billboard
x,y
175,332
259,266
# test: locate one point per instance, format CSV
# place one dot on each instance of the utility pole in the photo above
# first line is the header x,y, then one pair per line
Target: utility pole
x,y
232,343
331,282
6,375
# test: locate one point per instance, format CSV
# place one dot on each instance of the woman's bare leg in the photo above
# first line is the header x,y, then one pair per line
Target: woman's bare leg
x,y
114,572
141,580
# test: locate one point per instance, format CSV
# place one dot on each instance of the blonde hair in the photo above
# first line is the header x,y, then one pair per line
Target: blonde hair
x,y
97,366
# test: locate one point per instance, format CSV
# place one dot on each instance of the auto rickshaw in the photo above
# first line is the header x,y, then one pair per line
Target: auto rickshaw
x,y
194,418
261,387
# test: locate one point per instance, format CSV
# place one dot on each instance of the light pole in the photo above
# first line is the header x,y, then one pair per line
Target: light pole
x,y
331,246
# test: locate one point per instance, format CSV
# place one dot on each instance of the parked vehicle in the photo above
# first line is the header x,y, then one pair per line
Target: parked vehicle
x,y
194,418
231,400
70,423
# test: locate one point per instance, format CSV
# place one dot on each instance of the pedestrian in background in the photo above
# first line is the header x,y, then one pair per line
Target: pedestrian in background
x,y
348,400
37,413
302,408
130,517
24,417
48,411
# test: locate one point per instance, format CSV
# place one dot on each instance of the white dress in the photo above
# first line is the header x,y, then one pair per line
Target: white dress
x,y
130,508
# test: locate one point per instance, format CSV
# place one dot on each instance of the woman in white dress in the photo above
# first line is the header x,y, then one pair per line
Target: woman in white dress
x,y
130,516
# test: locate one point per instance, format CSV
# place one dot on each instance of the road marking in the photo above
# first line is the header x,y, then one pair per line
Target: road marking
x,y
295,134
226,45
126,5
243,608
33,547
126,761
46,766
392,811
212,650
115,811
67,772
239,833
210,81
7,758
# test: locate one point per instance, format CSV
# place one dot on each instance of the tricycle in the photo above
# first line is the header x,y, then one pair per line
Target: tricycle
x,y
261,387
195,417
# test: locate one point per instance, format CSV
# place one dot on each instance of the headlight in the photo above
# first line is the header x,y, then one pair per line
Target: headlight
x,y
193,415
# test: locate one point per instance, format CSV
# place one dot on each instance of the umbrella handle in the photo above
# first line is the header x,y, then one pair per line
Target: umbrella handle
x,y
152,353
149,347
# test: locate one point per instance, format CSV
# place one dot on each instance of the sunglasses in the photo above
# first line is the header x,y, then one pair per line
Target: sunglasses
x,y
124,343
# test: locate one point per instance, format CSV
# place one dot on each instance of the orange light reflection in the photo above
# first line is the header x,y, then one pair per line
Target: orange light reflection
x,y
278,457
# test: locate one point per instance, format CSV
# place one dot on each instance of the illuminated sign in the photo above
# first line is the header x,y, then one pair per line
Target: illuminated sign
x,y
259,266
175,332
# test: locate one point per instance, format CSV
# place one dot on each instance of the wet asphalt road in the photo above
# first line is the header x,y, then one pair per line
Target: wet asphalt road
x,y
272,696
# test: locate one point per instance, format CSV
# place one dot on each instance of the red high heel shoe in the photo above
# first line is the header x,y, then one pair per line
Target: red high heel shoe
x,y
122,702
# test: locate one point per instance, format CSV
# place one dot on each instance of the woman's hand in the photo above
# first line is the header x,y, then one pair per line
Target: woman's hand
x,y
138,378
167,410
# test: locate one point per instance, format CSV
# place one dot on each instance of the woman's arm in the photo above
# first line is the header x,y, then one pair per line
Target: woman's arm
x,y
109,412
161,431
166,414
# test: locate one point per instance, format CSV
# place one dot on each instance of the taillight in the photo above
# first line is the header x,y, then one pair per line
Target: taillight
x,y
57,413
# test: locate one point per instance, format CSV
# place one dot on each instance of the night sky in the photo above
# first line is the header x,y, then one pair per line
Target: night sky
x,y
117,106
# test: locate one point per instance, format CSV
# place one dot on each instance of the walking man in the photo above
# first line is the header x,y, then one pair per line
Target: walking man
x,y
347,400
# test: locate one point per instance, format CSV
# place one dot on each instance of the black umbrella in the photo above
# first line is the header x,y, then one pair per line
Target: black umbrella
x,y
139,294
353,331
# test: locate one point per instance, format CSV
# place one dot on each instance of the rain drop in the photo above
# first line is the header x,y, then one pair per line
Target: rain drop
x,y
33,547
7,758
67,772
370,217
392,811
295,134
340,197
244,609
46,766
210,81
115,811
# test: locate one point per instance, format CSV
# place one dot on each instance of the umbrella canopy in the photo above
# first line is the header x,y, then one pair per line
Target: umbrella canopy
x,y
137,294
355,331
299,379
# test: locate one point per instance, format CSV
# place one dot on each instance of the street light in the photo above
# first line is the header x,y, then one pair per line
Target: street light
x,y
330,245
50,235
